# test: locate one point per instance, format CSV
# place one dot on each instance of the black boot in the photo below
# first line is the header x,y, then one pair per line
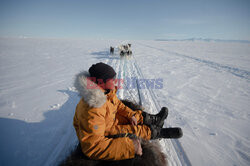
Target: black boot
x,y
157,120
157,132
175,132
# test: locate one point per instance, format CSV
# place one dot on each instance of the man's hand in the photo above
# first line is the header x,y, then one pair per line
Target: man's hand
x,y
137,145
133,120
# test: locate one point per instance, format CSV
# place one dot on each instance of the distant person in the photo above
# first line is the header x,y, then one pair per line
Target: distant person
x,y
105,127
111,50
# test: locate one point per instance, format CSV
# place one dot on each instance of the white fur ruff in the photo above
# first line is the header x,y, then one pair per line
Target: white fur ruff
x,y
93,97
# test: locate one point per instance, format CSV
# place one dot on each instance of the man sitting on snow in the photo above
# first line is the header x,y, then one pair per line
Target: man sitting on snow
x,y
105,127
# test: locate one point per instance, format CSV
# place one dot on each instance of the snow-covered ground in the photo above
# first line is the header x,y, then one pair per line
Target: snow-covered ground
x,y
205,86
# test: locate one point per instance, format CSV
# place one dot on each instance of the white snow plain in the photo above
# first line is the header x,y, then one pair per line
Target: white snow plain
x,y
206,86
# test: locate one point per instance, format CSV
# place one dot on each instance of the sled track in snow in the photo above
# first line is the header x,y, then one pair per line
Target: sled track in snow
x,y
244,74
129,68
181,154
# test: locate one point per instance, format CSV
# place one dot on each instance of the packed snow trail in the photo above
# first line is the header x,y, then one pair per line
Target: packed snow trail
x,y
180,152
128,68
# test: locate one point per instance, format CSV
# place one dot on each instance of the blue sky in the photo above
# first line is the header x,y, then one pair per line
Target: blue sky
x,y
130,19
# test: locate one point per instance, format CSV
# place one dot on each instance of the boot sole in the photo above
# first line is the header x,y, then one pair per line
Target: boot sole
x,y
174,133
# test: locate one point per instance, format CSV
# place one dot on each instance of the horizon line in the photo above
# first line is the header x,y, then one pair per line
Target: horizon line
x,y
157,39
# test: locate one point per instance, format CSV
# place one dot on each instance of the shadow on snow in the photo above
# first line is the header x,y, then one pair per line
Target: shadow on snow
x,y
104,55
40,143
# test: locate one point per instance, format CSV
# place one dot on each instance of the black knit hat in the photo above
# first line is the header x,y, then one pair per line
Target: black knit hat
x,y
102,71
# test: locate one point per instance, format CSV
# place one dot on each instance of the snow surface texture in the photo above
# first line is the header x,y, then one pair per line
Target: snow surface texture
x,y
206,88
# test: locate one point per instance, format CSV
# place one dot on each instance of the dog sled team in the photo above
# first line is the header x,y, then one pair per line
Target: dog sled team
x,y
124,50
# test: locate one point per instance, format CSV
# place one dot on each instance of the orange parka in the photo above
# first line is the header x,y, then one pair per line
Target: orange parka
x,y
97,116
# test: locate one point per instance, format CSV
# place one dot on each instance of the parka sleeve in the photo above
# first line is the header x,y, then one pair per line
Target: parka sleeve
x,y
124,110
96,146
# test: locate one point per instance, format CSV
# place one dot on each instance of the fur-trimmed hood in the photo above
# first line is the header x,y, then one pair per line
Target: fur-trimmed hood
x,y
93,97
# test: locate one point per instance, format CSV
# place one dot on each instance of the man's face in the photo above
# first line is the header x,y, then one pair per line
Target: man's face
x,y
110,84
